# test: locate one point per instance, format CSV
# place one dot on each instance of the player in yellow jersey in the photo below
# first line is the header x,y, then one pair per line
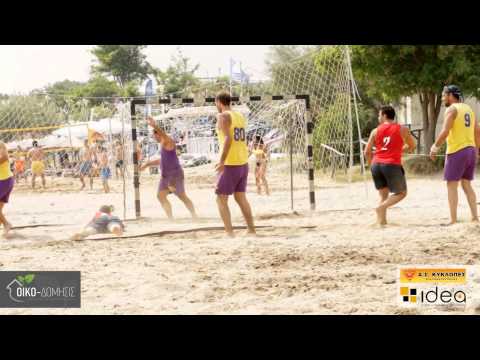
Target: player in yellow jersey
x,y
37,156
232,168
462,133
6,185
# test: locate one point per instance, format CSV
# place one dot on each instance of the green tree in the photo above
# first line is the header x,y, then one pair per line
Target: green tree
x,y
59,91
125,63
132,89
179,78
284,54
96,90
390,72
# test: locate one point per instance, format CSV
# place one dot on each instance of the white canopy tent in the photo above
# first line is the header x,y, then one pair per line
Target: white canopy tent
x,y
103,126
48,142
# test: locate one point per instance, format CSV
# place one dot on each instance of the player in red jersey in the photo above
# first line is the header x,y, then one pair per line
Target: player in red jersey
x,y
390,140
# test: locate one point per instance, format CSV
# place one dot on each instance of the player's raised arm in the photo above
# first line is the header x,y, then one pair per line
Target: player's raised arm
x,y
165,139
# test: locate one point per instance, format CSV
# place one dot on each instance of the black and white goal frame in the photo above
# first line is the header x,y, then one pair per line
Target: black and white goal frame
x,y
155,100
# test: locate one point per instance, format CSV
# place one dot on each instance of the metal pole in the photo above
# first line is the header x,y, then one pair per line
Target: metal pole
x,y
124,165
310,125
231,70
70,135
241,80
350,128
136,173
291,166
362,159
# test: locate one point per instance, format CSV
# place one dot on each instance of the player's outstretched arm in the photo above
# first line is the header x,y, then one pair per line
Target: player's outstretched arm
x,y
150,163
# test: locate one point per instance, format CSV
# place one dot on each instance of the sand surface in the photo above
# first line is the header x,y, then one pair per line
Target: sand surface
x,y
331,261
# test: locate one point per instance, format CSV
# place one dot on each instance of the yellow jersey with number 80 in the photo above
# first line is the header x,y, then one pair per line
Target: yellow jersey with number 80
x,y
462,134
238,154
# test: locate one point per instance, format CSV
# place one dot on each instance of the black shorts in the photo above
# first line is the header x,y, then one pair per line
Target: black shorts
x,y
389,176
119,164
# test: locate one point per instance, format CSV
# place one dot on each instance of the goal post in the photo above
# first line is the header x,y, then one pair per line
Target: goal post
x,y
295,126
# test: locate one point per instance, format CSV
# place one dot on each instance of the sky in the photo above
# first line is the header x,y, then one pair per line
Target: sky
x,y
27,67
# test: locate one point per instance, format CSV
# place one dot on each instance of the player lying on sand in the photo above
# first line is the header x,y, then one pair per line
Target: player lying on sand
x,y
102,223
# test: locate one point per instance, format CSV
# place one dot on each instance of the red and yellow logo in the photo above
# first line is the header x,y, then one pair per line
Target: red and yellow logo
x,y
434,275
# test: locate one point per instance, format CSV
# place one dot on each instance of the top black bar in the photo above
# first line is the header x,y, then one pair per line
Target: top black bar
x,y
139,102
306,98
212,99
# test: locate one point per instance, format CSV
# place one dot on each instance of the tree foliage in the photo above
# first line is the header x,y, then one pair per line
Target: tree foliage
x,y
179,78
125,63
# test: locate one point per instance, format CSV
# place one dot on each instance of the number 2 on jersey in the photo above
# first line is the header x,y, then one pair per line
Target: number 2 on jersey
x,y
386,141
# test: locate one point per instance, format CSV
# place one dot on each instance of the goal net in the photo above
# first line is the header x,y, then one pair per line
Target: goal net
x,y
325,74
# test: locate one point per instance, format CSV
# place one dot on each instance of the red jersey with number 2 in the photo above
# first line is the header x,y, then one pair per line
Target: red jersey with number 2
x,y
388,144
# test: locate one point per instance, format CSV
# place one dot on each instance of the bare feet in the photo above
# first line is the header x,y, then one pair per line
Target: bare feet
x,y
77,237
475,220
6,228
381,216
117,231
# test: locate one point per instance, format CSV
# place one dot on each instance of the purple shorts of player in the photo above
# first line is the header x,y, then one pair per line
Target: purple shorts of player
x,y
175,179
461,164
233,179
6,187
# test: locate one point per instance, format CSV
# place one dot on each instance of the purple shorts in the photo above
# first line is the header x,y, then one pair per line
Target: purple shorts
x,y
175,179
461,164
233,179
6,187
